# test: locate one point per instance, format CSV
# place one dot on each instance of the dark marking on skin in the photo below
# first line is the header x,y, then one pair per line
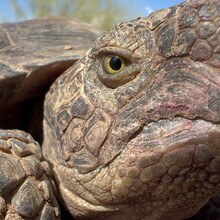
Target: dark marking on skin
x,y
187,18
84,161
214,40
205,12
139,27
214,102
80,108
172,12
148,37
201,51
165,39
167,109
63,118
206,29
185,41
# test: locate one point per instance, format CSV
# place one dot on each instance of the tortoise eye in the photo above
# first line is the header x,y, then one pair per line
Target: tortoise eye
x,y
113,64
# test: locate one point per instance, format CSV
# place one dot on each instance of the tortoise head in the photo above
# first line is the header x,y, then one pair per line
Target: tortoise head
x,y
132,130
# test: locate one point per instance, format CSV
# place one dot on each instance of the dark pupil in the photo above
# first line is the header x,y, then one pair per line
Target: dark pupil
x,y
115,63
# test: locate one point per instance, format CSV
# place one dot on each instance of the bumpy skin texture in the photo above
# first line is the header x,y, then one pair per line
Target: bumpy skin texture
x,y
143,143
25,190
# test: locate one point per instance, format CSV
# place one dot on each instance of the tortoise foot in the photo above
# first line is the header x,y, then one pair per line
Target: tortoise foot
x,y
26,192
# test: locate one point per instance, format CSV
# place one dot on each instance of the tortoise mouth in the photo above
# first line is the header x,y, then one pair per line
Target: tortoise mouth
x,y
167,134
174,163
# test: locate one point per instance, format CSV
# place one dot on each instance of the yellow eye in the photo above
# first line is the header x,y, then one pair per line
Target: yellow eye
x,y
114,64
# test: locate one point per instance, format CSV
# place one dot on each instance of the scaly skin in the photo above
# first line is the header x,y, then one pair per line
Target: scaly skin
x,y
26,192
143,143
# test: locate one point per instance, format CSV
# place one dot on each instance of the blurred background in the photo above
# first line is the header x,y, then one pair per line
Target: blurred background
x,y
101,13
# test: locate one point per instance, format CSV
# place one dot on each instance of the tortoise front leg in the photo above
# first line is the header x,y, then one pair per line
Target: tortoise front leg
x,y
26,192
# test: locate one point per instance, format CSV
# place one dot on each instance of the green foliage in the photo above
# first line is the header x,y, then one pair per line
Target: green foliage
x,y
17,9
101,13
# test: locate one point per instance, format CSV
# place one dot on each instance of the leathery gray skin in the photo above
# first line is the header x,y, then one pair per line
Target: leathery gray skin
x,y
143,143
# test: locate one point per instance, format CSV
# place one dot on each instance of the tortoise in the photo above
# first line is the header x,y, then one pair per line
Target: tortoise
x,y
131,130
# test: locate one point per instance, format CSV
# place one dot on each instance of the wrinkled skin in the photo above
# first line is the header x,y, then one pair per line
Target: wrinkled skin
x,y
143,143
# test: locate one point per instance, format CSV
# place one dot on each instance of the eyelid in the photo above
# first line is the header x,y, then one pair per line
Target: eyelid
x,y
115,80
125,53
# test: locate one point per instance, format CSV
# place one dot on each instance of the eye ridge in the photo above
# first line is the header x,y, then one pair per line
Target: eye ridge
x,y
113,63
